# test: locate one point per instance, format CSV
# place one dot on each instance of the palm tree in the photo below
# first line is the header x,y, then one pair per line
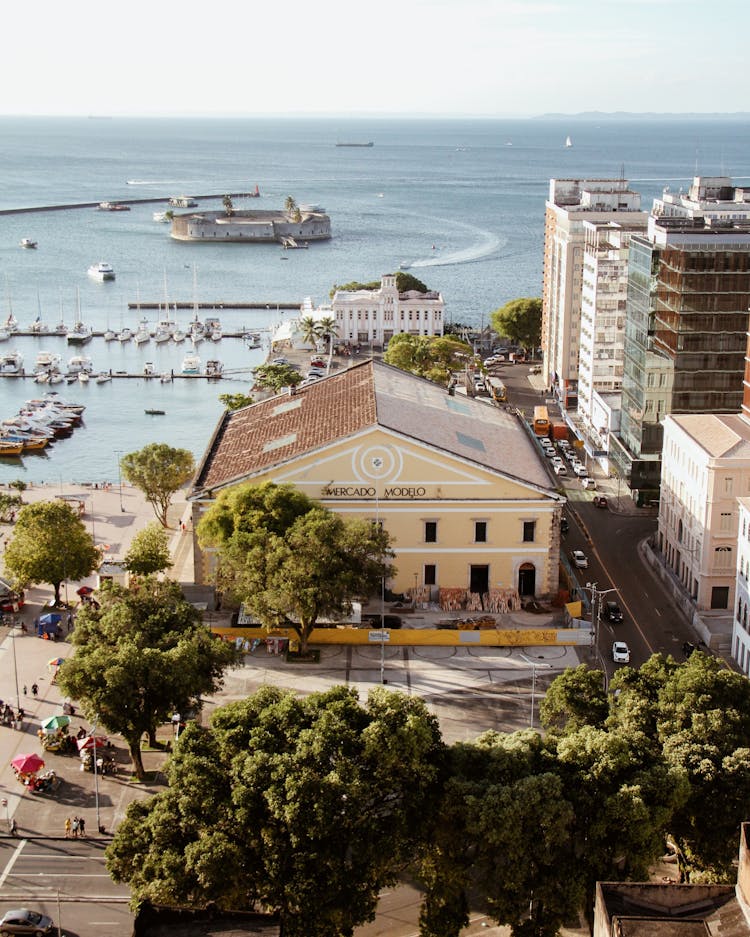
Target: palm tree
x,y
309,330
327,329
228,206
290,205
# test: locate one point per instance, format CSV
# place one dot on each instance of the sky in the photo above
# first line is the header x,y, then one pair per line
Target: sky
x,y
495,58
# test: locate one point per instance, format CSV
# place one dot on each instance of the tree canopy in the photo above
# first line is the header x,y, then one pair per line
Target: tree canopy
x,y
308,806
149,551
305,806
290,560
236,401
520,320
275,376
158,470
430,356
50,544
404,283
141,656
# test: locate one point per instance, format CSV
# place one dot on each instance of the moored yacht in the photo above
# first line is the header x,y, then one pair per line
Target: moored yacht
x,y
80,363
142,334
12,363
124,335
79,334
191,364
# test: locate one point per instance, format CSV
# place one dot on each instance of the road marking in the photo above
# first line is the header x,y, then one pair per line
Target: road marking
x,y
12,861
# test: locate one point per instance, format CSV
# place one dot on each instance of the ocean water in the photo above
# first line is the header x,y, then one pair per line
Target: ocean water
x,y
461,202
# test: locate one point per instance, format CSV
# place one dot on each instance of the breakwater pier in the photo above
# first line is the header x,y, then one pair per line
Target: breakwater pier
x,y
150,200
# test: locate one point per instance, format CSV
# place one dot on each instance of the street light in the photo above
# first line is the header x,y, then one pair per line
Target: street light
x,y
118,453
596,597
92,736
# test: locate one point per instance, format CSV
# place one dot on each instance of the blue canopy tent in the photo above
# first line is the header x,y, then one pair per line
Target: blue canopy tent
x,y
48,624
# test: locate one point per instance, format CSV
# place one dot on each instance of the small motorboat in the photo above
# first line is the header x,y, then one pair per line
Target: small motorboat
x,y
155,412
101,271
191,364
103,377
28,243
83,377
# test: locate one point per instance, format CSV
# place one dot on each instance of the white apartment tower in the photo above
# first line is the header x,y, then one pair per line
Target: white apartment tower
x,y
571,203
603,298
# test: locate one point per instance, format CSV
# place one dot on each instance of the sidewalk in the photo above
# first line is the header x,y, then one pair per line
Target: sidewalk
x,y
113,517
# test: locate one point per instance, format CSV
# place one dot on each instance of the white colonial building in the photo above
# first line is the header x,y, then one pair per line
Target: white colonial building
x,y
705,468
373,317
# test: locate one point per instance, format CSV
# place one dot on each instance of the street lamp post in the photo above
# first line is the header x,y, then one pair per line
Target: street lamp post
x,y
118,453
15,666
596,597
92,736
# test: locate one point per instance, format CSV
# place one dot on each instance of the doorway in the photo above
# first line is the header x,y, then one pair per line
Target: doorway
x,y
527,579
479,579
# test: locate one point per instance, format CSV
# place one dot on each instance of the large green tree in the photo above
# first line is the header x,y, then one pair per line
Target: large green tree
x,y
141,656
149,551
236,401
290,560
275,376
431,356
304,806
159,471
520,320
50,544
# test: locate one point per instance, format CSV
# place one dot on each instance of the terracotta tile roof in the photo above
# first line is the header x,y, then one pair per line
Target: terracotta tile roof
x,y
278,429
272,432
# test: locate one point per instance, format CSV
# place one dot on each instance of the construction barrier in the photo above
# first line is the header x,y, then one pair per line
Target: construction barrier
x,y
422,637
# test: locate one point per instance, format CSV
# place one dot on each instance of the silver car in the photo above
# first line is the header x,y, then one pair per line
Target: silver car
x,y
23,921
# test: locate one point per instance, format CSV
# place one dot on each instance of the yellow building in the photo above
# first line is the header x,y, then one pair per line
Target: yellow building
x,y
459,484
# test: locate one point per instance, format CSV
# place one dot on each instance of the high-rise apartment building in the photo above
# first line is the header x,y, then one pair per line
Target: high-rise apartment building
x,y
571,203
686,321
603,300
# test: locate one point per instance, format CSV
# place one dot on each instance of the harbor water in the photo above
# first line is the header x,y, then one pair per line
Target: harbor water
x,y
459,203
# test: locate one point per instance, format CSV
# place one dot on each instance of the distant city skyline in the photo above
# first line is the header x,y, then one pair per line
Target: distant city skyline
x,y
473,58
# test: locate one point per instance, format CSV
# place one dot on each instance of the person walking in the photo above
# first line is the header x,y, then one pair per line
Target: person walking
x,y
34,689
67,827
74,827
81,826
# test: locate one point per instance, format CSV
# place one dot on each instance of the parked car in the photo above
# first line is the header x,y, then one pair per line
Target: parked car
x,y
620,653
588,482
600,502
611,611
564,525
24,921
579,559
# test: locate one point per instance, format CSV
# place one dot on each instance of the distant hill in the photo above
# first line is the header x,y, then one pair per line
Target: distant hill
x,y
646,115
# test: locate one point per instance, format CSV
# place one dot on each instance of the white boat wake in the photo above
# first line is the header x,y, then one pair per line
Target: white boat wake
x,y
158,182
489,244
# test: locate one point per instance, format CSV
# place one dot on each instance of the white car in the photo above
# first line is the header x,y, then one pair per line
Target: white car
x,y
580,470
560,469
579,559
620,653
588,482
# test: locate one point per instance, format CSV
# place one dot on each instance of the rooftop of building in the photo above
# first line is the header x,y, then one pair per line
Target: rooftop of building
x,y
276,431
654,910
720,435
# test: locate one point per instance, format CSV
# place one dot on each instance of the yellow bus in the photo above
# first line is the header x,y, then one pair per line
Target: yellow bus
x,y
541,421
497,389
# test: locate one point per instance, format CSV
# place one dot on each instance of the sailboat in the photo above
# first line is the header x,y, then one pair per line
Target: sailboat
x,y
568,142
109,334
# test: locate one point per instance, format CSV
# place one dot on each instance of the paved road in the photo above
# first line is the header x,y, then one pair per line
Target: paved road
x,y
66,880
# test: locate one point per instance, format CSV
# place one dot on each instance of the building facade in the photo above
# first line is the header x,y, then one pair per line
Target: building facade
x,y
458,484
603,301
571,203
705,468
741,623
373,317
686,323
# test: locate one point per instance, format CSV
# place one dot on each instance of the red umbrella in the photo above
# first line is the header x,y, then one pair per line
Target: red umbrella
x,y
91,741
84,590
27,764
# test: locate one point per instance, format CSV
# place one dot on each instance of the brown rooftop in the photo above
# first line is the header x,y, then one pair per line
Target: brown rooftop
x,y
272,432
